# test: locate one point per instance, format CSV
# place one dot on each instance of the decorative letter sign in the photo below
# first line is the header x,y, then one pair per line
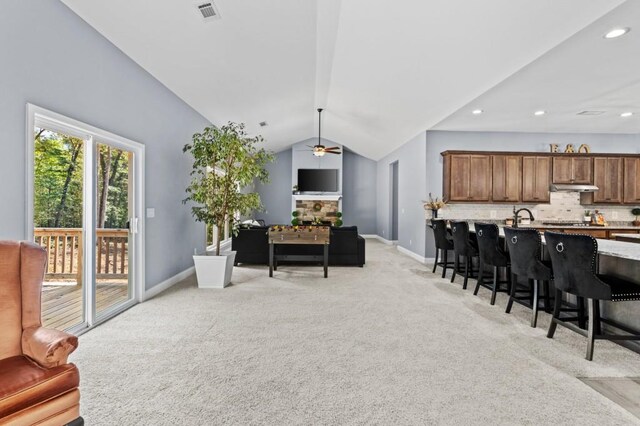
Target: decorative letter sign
x,y
570,149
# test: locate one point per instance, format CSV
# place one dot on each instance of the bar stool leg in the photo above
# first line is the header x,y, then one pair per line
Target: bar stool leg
x,y
556,314
495,285
512,293
444,263
480,277
435,262
547,297
598,322
455,265
581,318
591,332
467,259
534,314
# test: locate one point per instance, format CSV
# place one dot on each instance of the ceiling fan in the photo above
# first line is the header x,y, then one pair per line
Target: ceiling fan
x,y
320,150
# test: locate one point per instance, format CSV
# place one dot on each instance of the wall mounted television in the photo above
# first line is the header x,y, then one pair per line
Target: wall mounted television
x,y
318,180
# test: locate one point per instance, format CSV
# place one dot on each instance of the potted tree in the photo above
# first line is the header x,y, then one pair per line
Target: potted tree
x,y
225,162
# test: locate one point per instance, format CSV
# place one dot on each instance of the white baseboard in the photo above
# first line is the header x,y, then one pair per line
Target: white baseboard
x,y
413,255
379,238
159,288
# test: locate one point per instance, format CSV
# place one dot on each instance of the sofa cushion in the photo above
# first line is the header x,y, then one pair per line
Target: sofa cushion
x,y
23,383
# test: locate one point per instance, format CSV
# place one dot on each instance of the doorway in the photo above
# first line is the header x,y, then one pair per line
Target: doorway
x,y
393,197
85,193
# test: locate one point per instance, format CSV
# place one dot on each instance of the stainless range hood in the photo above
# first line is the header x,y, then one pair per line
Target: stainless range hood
x,y
558,187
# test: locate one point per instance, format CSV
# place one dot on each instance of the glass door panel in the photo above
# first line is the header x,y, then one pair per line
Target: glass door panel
x,y
114,204
57,225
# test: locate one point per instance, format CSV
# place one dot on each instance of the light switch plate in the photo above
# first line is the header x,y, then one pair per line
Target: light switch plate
x,y
493,214
151,212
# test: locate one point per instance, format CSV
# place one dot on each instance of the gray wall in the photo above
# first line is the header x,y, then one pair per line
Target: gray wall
x,y
439,141
411,158
276,195
52,58
359,192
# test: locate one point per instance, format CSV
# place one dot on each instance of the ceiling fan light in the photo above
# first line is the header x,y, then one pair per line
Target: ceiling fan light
x,y
318,153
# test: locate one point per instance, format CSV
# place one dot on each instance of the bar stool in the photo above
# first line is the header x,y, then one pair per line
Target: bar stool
x,y
574,259
525,250
491,254
465,246
444,243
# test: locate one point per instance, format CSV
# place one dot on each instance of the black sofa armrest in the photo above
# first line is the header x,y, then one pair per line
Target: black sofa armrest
x,y
361,251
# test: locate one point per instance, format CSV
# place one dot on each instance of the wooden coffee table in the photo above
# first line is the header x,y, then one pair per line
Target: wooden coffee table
x,y
298,235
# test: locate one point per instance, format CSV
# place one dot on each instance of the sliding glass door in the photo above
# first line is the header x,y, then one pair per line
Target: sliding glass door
x,y
85,192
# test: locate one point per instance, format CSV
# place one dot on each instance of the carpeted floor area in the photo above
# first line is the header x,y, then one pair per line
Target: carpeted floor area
x,y
390,343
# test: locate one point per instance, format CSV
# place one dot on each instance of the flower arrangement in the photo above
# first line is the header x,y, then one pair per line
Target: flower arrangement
x,y
434,203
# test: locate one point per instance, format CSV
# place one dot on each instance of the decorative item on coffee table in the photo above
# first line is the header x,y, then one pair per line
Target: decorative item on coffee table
x,y
298,235
294,218
636,212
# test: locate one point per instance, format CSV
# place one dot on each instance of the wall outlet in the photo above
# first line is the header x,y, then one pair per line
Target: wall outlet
x,y
151,212
493,214
410,242
402,211
614,215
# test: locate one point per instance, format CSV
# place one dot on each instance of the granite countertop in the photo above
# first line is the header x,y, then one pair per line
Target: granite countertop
x,y
617,225
634,236
621,249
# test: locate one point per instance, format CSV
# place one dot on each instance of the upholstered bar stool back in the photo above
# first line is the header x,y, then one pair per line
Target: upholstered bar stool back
x,y
443,245
491,254
463,246
574,258
525,251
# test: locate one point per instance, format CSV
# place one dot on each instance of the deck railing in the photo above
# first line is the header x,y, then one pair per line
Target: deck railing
x,y
64,253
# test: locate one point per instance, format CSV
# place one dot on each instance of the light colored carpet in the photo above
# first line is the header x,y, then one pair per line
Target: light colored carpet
x,y
390,343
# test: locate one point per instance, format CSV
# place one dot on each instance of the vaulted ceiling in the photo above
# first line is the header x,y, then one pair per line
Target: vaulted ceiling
x,y
383,71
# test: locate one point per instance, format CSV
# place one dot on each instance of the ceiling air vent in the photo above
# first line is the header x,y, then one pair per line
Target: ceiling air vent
x,y
208,11
263,124
590,113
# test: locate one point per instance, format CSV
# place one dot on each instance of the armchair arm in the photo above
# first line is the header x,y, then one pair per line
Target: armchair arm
x,y
48,347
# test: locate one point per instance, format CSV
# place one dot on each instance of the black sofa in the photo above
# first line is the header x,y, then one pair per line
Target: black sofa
x,y
346,247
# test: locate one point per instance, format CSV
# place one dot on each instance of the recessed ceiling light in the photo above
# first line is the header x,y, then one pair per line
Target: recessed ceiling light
x,y
541,112
617,32
477,112
626,114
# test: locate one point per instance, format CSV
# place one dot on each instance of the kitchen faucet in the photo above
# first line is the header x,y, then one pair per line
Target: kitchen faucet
x,y
517,212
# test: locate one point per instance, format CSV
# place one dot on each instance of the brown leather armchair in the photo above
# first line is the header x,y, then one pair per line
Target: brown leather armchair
x,y
37,385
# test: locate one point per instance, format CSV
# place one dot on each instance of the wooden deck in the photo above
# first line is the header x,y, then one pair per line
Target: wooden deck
x,y
62,304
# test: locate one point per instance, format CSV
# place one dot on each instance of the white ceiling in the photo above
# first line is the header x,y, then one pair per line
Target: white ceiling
x,y
384,71
585,73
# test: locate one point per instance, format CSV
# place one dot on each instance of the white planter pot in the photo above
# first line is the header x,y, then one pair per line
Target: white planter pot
x,y
214,271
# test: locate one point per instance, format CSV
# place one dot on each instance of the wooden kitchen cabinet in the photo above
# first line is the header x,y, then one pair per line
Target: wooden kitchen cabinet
x,y
536,178
506,178
572,170
631,193
469,177
608,177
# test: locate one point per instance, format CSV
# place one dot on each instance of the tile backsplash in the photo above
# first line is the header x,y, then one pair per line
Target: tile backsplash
x,y
563,206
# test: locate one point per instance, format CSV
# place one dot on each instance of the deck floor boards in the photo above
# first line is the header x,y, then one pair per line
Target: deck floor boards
x,y
62,305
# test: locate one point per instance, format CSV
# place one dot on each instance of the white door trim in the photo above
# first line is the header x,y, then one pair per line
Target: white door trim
x,y
91,134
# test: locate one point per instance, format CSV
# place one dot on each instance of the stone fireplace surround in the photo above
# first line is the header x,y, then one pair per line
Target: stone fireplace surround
x,y
330,205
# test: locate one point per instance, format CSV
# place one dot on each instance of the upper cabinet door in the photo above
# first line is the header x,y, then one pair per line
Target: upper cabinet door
x,y
507,177
608,176
632,180
572,170
536,178
470,178
480,178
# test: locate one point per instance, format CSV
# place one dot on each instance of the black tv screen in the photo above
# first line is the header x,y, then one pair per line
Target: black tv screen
x,y
322,180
